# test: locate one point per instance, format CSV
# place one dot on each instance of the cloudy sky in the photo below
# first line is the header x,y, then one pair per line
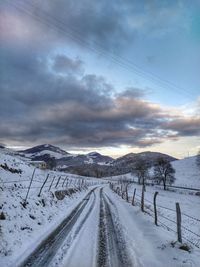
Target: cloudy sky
x,y
112,76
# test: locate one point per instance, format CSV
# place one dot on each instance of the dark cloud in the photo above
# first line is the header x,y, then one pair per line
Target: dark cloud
x,y
37,105
184,126
132,92
86,23
45,95
65,65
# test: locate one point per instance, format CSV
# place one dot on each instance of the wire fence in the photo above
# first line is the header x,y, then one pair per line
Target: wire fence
x,y
48,182
165,219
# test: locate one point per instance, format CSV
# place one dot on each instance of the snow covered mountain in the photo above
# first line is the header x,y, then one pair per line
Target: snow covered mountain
x,y
63,158
41,150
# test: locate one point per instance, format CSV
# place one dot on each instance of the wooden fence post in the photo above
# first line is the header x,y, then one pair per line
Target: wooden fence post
x,y
82,183
67,181
58,181
70,182
155,209
121,190
118,191
142,198
43,185
64,181
133,200
52,183
127,192
25,201
178,220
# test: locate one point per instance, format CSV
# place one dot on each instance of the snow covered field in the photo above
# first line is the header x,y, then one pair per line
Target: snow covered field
x,y
91,227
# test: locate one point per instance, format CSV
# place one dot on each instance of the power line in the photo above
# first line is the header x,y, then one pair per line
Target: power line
x,y
51,21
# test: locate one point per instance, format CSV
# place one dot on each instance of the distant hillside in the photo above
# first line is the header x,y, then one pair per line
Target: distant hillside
x,y
95,157
119,166
149,157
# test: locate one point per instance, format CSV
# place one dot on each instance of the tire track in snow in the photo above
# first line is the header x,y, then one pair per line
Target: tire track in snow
x,y
112,245
103,250
70,238
45,252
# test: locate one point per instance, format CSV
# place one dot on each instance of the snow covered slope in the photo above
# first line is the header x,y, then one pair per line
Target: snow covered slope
x,y
187,173
22,169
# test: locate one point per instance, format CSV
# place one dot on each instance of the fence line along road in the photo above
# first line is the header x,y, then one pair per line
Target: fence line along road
x,y
139,200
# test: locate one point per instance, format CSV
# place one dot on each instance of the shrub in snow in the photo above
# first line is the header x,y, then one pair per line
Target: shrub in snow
x,y
43,202
184,246
2,216
32,216
12,170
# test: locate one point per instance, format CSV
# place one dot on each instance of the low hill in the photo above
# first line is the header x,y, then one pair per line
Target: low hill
x,y
147,156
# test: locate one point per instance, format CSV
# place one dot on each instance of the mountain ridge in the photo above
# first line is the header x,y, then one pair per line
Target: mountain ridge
x,y
93,154
92,163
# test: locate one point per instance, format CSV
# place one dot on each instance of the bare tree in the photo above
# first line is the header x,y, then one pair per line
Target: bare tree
x,y
141,171
164,172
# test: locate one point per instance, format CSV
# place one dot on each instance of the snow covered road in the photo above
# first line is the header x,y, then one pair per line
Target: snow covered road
x,y
46,251
66,243
105,231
